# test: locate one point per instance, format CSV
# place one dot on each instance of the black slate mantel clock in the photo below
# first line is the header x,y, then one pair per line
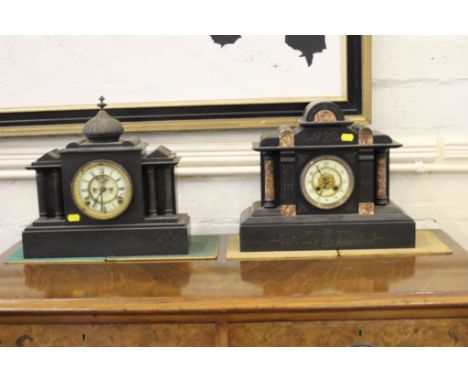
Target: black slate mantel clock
x,y
325,186
104,195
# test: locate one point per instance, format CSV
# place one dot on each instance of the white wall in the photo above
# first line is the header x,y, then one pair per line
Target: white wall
x,y
71,70
420,97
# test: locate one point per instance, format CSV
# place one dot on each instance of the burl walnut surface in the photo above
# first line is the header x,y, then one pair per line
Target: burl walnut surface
x,y
413,301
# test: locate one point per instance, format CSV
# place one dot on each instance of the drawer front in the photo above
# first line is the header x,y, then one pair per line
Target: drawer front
x,y
414,332
108,335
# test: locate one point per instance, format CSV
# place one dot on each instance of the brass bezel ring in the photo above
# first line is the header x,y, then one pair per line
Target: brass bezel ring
x,y
346,196
75,186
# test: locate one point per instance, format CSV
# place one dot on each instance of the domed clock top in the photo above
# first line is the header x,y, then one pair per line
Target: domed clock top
x,y
105,194
103,127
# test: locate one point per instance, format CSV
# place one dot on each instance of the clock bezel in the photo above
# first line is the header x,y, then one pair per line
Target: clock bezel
x,y
346,196
89,212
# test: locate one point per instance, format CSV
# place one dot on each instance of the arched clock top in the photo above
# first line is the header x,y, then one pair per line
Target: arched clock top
x,y
322,125
322,112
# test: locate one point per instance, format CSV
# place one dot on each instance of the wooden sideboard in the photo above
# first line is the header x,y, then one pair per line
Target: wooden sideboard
x,y
399,301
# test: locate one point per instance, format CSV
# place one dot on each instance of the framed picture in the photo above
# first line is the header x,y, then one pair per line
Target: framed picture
x,y
175,83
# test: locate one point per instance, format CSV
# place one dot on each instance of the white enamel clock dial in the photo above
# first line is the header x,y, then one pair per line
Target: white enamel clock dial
x,y
327,182
102,189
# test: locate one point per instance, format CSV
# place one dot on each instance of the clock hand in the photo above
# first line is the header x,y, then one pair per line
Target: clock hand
x,y
95,199
102,199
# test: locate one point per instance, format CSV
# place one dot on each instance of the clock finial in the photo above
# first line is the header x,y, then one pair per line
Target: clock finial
x,y
103,127
101,103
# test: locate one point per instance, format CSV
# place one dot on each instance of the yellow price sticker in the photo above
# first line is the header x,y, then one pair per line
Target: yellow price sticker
x,y
347,137
73,218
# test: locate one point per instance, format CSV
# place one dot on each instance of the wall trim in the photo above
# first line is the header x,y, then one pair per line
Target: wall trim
x,y
419,155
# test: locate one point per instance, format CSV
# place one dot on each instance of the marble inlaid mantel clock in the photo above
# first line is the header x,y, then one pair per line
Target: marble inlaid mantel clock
x,y
325,186
104,195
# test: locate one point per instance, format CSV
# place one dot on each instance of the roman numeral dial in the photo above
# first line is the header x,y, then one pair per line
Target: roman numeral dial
x,y
102,189
327,182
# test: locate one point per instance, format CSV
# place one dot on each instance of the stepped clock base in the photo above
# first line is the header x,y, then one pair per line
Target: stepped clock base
x,y
144,239
265,230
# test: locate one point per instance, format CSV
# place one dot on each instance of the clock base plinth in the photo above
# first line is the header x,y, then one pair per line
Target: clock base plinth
x,y
266,230
170,237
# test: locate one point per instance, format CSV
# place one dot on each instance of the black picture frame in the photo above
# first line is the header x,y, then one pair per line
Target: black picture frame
x,y
200,116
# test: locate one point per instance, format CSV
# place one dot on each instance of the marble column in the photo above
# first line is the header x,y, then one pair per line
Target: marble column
x,y
268,180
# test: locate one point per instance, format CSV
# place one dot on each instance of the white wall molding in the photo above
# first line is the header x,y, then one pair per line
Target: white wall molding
x,y
418,155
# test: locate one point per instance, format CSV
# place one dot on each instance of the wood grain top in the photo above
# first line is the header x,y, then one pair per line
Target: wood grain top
x,y
436,283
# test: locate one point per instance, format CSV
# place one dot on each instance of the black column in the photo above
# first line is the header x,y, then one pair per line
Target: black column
x,y
366,171
152,205
41,183
169,197
287,178
57,193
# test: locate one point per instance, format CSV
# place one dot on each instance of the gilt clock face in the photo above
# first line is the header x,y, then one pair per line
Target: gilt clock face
x,y
327,182
102,189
